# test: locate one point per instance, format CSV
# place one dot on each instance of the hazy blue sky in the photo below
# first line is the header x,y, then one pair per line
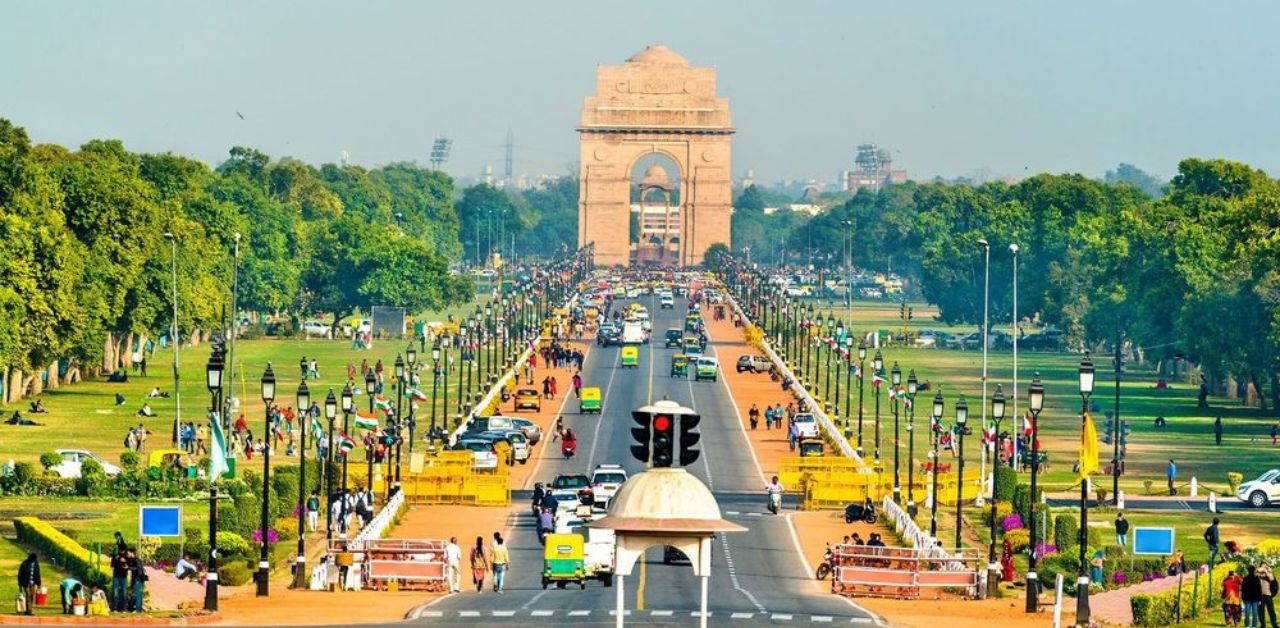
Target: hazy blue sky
x,y
950,86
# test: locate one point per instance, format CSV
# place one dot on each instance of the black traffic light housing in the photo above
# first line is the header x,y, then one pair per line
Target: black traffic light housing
x,y
664,441
689,438
911,314
641,436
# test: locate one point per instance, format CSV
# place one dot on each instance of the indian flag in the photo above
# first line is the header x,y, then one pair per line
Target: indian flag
x,y
382,403
366,421
893,393
876,380
217,448
345,443
317,428
906,402
416,395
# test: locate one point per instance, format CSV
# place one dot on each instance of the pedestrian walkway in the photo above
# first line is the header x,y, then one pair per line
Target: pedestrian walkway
x,y
1113,606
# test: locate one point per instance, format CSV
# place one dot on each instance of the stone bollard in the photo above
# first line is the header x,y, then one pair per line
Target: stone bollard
x,y
1213,502
1120,500
1195,487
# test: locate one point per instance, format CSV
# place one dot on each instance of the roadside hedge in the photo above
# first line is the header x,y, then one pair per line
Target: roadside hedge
x,y
58,547
1159,609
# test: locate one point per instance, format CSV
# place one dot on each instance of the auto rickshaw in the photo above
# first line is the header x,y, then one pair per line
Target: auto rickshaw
x,y
692,346
811,449
589,401
630,357
680,366
562,561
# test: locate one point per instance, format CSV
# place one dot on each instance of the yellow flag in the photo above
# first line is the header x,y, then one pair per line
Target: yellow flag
x,y
1088,447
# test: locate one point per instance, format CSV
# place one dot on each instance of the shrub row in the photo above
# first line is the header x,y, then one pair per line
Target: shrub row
x,y
57,546
1163,609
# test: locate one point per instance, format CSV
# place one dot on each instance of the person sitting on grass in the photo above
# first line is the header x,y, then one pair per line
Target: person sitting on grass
x,y
37,407
157,393
18,419
98,606
119,399
185,569
146,410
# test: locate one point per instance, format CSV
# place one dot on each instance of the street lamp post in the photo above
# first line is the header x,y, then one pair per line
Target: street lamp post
x,y
213,376
1035,396
837,343
1116,434
348,406
411,361
913,385
394,427
848,385
300,563
173,339
938,407
330,413
1086,373
268,396
370,385
826,389
993,567
986,340
877,363
862,381
435,385
962,417
895,378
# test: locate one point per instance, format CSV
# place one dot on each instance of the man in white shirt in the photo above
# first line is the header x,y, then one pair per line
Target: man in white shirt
x,y
452,565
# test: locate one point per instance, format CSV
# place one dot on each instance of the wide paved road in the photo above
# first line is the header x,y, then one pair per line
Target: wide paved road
x,y
757,576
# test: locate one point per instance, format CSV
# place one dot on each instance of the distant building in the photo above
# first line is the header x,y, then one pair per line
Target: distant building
x,y
874,170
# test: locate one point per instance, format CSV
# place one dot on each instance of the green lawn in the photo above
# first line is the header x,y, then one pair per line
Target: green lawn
x,y
1188,437
12,555
84,415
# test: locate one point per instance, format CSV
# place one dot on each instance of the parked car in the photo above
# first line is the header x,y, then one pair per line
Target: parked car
x,y
606,480
1048,340
995,340
515,439
806,425
754,363
927,339
484,454
530,429
1260,491
73,460
528,398
316,329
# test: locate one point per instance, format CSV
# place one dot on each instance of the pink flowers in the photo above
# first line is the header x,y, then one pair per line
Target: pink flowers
x,y
272,536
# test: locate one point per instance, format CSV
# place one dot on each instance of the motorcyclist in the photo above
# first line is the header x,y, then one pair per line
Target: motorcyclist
x,y
774,491
538,493
570,444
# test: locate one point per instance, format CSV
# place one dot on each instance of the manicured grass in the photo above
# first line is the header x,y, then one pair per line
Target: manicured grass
x,y
94,522
12,555
1187,438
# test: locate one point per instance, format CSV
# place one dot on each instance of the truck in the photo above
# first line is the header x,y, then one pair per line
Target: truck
x,y
600,553
633,333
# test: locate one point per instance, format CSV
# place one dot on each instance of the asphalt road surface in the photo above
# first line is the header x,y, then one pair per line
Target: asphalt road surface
x,y
757,576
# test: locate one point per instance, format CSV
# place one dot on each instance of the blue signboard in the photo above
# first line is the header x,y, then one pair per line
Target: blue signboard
x,y
160,520
1153,541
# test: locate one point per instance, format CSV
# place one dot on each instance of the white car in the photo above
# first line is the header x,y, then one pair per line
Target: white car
x,y
806,425
606,480
1261,491
316,329
484,456
73,459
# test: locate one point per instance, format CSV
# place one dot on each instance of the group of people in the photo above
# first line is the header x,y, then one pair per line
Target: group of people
x,y
344,505
773,415
497,559
1250,598
136,438
192,438
71,590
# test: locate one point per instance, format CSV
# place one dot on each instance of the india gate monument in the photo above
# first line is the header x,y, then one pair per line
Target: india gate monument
x,y
654,144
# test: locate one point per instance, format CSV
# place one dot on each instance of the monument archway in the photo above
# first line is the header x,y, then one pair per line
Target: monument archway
x,y
654,103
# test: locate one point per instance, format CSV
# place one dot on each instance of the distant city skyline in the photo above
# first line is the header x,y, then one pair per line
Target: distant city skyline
x,y
1003,88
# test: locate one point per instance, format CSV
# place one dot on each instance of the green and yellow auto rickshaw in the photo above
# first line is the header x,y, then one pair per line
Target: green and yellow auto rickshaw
x,y
630,357
692,346
589,401
680,366
811,449
563,561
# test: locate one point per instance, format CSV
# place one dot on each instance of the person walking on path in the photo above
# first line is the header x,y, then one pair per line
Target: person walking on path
x,y
501,560
351,370
1211,538
137,581
479,564
313,510
577,385
1251,597
1217,431
303,366
453,563
754,415
314,370
1275,432
29,581
1171,474
1270,588
793,433
1122,530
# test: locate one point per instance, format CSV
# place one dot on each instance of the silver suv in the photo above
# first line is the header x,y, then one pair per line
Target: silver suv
x,y
754,363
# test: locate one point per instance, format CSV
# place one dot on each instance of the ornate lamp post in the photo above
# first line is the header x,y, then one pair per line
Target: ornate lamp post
x,y
895,378
836,343
330,413
993,567
862,382
826,388
411,360
348,406
938,404
1082,582
848,385
264,564
370,385
877,363
395,425
962,417
1035,396
435,385
300,563
489,337
213,377
912,386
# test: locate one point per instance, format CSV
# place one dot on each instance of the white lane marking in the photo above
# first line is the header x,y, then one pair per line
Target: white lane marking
x,y
742,615
614,613
795,541
781,617
537,465
732,513
661,613
504,613
534,599
432,614
821,618
863,620
579,613
742,432
542,613
755,514
468,613
699,613
604,403
733,575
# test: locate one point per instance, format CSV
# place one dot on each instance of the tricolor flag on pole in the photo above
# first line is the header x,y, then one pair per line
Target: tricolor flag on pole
x,y
907,402
989,434
382,403
1027,427
366,421
217,448
857,371
345,443
893,393
416,395
876,380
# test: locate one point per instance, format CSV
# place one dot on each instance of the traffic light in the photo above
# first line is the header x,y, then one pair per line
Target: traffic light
x,y
689,438
902,311
663,440
641,435
911,313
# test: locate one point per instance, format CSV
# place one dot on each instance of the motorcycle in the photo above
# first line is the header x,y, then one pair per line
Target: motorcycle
x,y
568,448
824,568
775,502
865,511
